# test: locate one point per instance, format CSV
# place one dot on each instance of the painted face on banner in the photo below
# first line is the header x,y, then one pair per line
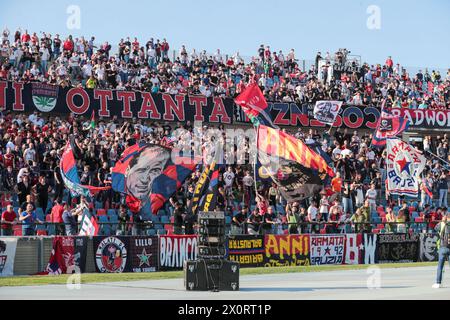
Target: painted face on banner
x,y
144,168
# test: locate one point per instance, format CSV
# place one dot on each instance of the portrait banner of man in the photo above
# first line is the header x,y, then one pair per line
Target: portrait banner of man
x,y
148,174
428,247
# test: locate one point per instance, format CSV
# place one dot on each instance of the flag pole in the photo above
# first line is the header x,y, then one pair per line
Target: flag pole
x,y
256,159
438,157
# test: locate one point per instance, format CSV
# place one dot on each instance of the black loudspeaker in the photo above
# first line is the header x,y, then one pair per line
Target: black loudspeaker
x,y
205,275
211,235
210,252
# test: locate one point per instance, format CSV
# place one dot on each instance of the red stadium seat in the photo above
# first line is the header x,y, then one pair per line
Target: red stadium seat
x,y
168,228
418,219
41,233
101,212
17,230
380,226
375,231
6,203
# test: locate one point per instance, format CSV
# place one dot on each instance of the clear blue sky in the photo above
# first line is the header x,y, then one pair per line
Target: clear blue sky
x,y
415,33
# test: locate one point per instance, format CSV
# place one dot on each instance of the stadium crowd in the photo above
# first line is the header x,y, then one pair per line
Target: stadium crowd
x,y
31,145
148,66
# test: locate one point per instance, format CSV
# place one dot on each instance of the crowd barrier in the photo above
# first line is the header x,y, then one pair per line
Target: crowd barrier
x,y
116,254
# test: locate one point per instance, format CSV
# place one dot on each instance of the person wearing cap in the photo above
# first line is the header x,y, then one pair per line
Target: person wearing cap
x,y
443,245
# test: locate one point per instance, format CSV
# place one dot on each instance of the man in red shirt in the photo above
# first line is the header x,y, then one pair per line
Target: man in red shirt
x,y
56,215
26,37
8,159
9,219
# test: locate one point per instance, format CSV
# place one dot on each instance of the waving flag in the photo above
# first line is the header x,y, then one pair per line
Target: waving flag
x,y
388,126
92,124
296,169
404,165
70,176
147,173
209,200
201,187
89,225
255,106
327,111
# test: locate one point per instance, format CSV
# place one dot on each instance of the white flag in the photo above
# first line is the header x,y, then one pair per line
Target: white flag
x,y
404,165
327,111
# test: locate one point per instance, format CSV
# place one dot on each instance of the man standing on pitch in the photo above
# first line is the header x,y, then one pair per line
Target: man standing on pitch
x,y
443,230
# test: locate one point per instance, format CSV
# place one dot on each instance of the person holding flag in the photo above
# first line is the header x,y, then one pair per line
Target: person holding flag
x,y
388,126
404,166
327,111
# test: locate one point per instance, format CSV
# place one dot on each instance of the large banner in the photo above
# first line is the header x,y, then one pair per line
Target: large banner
x,y
327,249
112,254
68,255
397,248
175,249
353,248
108,103
29,97
286,250
7,254
292,114
404,165
424,118
144,254
428,247
248,250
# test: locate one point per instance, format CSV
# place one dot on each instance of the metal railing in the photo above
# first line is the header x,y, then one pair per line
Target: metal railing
x,y
324,227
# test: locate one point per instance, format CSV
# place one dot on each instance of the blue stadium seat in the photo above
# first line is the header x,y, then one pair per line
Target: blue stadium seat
x,y
105,229
162,232
227,220
111,212
151,232
98,205
156,219
113,219
40,214
165,219
159,226
162,212
51,230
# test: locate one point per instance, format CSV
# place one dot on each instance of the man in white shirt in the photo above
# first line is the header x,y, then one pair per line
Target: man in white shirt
x,y
151,55
218,56
29,154
74,63
45,56
10,145
87,70
371,196
312,215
